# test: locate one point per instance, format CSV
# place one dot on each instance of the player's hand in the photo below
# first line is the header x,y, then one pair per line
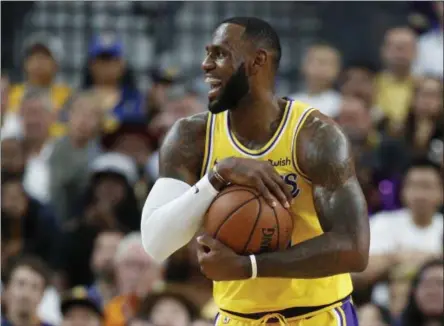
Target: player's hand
x,y
256,174
220,263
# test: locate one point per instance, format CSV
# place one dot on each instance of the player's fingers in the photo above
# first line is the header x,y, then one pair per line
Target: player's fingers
x,y
284,187
275,189
207,241
263,189
201,253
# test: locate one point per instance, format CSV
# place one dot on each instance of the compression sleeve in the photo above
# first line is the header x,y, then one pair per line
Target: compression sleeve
x,y
172,215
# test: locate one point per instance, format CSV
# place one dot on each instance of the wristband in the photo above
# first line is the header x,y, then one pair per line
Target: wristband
x,y
253,266
219,177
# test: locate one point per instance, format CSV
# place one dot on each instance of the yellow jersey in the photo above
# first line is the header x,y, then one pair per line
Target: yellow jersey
x,y
59,95
394,97
272,294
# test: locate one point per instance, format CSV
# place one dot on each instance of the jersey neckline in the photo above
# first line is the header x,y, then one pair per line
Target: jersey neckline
x,y
273,140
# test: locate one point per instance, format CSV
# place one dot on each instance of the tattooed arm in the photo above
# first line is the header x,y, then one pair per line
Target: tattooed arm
x,y
173,211
324,156
181,154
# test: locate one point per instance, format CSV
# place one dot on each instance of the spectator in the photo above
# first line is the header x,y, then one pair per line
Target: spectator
x,y
25,284
400,279
425,307
408,236
10,123
424,128
26,225
102,266
133,139
372,315
109,203
181,103
320,68
184,276
37,116
394,85
72,154
111,188
377,158
42,56
4,95
114,83
354,118
79,309
137,275
163,78
358,79
430,47
169,309
13,156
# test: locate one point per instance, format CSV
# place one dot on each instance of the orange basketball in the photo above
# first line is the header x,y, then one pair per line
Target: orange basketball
x,y
240,218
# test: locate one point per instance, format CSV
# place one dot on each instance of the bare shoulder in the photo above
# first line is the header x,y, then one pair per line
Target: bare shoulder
x,y
181,153
323,151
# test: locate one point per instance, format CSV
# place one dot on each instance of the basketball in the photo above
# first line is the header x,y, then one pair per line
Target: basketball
x,y
241,219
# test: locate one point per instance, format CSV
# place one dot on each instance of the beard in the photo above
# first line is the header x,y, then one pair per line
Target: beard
x,y
234,90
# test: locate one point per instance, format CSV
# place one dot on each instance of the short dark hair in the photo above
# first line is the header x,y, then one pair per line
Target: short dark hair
x,y
259,32
32,262
152,299
423,162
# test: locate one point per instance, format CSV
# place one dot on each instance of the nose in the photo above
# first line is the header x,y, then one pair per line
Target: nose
x,y
208,64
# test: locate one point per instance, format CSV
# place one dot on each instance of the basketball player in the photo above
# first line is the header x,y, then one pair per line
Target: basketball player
x,y
290,153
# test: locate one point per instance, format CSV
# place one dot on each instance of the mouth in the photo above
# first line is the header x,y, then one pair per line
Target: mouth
x,y
215,87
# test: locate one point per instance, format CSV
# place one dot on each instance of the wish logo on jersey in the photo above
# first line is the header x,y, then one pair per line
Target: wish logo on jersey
x,y
281,162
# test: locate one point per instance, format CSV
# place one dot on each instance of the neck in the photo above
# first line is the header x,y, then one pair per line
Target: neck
x,y
423,220
253,115
21,319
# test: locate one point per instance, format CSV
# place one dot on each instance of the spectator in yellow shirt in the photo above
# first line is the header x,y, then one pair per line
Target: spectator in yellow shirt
x,y
395,85
42,57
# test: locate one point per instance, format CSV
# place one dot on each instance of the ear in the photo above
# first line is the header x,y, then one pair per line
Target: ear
x,y
260,60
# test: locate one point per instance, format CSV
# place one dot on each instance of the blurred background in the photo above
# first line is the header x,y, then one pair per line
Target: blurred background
x,y
88,91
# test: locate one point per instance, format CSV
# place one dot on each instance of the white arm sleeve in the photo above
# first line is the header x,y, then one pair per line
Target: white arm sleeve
x,y
172,215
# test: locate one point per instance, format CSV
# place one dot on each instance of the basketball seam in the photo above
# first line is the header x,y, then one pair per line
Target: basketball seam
x,y
258,216
234,190
231,214
277,225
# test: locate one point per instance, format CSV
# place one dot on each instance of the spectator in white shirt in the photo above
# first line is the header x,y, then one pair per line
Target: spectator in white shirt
x,y
320,67
37,115
430,55
409,236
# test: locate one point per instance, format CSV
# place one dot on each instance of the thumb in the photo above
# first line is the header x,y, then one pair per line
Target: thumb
x,y
206,240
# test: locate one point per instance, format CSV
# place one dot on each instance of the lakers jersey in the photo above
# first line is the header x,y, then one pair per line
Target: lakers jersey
x,y
271,294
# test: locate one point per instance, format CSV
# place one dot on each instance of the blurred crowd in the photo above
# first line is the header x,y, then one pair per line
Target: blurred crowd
x,y
77,165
